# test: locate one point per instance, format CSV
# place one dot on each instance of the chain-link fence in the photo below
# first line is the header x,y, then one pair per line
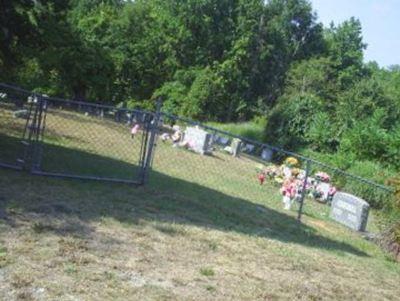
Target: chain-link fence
x,y
91,141
242,168
58,137
16,106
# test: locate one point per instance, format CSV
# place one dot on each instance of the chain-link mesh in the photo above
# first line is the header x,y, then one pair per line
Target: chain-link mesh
x,y
91,141
78,139
251,171
230,166
15,110
328,181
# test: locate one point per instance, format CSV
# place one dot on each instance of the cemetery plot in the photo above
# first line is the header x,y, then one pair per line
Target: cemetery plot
x,y
252,176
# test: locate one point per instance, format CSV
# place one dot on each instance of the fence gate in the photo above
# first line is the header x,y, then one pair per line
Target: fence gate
x,y
90,141
17,111
64,138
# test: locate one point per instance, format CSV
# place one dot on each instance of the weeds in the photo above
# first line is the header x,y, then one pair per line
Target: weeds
x,y
207,271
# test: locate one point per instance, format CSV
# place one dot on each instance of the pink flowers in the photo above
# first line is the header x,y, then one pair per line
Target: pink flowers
x,y
332,190
322,176
135,129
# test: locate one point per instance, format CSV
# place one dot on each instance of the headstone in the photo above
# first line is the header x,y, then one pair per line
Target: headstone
x,y
20,114
215,138
235,146
350,211
198,140
324,188
249,148
266,154
223,140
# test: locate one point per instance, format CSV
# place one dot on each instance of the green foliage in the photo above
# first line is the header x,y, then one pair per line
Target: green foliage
x,y
367,138
251,129
214,60
375,196
291,118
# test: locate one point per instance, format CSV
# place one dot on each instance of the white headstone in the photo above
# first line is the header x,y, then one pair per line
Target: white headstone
x,y
198,140
235,145
324,188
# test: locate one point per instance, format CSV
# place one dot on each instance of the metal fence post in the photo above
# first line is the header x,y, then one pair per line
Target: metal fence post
x,y
38,139
153,129
304,188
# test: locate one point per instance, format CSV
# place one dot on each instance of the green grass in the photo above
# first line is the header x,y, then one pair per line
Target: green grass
x,y
208,272
71,239
251,129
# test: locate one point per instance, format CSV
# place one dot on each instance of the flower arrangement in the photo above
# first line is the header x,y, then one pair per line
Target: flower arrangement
x,y
332,191
291,162
322,176
259,168
295,172
271,171
261,178
290,171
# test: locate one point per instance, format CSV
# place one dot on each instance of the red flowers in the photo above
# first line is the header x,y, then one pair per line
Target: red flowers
x,y
261,178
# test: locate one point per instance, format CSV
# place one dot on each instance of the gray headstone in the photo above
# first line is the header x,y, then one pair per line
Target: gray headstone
x,y
266,154
223,140
350,211
249,148
198,139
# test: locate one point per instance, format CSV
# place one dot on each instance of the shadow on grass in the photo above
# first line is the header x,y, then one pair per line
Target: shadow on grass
x,y
165,199
11,149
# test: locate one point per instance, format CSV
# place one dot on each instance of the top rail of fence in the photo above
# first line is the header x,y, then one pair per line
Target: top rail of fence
x,y
75,102
281,150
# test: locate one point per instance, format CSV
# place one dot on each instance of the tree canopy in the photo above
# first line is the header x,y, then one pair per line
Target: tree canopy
x,y
212,60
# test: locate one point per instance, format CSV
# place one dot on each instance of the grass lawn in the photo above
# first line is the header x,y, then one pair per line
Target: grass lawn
x,y
203,229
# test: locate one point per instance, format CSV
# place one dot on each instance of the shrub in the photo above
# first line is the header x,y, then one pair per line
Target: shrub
x,y
320,133
251,129
367,138
375,196
290,120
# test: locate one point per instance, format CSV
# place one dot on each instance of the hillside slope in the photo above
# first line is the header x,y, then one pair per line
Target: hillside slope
x,y
65,240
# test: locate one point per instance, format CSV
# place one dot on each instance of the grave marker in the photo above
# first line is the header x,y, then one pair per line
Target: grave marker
x,y
350,211
266,154
236,144
198,140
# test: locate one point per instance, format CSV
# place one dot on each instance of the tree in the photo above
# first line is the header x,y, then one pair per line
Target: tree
x,y
346,48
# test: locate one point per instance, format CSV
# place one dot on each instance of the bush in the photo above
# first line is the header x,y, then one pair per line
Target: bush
x,y
290,120
320,133
367,138
375,196
251,129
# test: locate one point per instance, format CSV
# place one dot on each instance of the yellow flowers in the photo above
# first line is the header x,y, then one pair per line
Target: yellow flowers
x,y
291,162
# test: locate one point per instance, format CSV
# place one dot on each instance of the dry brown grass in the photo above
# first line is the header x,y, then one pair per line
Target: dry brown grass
x,y
120,250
